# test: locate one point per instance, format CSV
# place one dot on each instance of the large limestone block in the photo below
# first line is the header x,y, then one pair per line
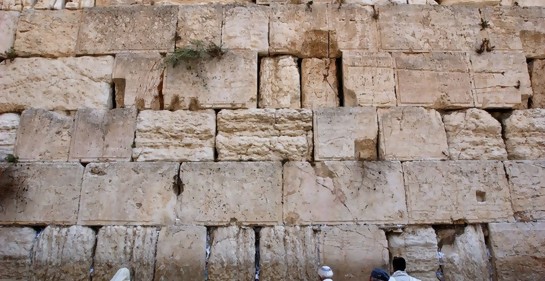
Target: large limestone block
x,y
103,135
113,29
527,184
246,27
130,247
9,122
181,253
344,192
88,79
288,253
199,23
226,82
53,130
473,134
518,250
525,134
264,134
345,133
175,135
15,252
319,83
351,27
79,4
411,133
63,253
216,193
457,191
537,74
279,85
368,79
49,4
232,254
8,21
129,193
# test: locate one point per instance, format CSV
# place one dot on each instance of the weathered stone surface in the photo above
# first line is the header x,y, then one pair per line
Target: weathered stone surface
x,y
214,194
411,133
345,133
527,184
279,85
181,253
473,134
130,247
454,191
63,253
175,135
232,254
15,252
537,74
53,130
472,3
246,27
264,134
199,23
319,84
368,79
343,192
113,29
196,84
8,21
128,193
79,4
288,253
351,27
516,248
48,4
9,122
88,79
525,134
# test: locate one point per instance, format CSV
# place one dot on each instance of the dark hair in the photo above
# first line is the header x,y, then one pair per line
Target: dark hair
x,y
399,263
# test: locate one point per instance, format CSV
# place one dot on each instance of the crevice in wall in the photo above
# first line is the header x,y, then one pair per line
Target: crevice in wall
x,y
95,229
178,184
257,234
529,64
339,68
300,70
258,91
216,154
118,92
316,231
160,90
155,253
491,259
208,250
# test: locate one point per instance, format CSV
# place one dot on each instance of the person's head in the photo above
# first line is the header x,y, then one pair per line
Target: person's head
x,y
379,275
399,264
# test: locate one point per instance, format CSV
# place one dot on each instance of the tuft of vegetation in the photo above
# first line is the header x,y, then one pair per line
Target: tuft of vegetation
x,y
10,158
10,54
198,50
376,14
485,46
484,24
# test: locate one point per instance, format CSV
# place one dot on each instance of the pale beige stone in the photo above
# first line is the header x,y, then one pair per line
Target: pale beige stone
x,y
473,134
130,247
339,192
226,82
8,21
411,133
472,3
53,130
537,74
181,253
15,252
345,133
63,253
524,132
351,27
49,4
457,191
368,79
128,193
199,23
9,122
531,3
264,134
175,135
319,84
43,83
279,85
213,193
246,27
14,5
79,4
106,3
527,184
232,254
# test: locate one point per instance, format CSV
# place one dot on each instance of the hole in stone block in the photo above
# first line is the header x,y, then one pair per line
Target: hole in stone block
x,y
481,196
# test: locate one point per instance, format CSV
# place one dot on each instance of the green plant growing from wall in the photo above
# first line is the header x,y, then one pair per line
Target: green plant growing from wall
x,y
198,50
10,158
10,54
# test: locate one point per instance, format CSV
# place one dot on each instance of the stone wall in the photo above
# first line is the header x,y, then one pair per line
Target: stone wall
x,y
325,132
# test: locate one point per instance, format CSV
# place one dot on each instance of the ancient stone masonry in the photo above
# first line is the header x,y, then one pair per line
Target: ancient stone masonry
x,y
258,140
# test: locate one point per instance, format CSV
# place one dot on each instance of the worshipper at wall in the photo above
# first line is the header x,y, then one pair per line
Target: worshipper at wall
x,y
379,274
400,274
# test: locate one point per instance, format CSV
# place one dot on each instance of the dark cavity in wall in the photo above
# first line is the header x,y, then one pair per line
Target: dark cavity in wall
x,y
95,229
339,68
208,249
257,232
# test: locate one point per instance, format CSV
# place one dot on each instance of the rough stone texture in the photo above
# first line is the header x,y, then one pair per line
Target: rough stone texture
x,y
457,191
130,247
48,4
525,134
53,130
246,27
196,84
279,85
319,84
473,134
472,3
129,193
214,193
40,193
517,250
181,253
15,252
344,192
103,135
288,253
63,253
232,254
527,184
8,21
345,133
175,135
368,79
9,122
137,77
79,4
411,133
264,134
351,27
537,74
113,29
199,23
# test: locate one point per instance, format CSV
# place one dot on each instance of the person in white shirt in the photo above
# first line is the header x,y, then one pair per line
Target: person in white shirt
x,y
400,274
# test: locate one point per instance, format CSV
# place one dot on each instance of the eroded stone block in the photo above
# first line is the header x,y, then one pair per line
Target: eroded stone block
x,y
199,23
8,21
49,4
232,254
246,27
319,84
79,4
9,122
279,85
527,184
351,27
525,134
15,252
537,74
